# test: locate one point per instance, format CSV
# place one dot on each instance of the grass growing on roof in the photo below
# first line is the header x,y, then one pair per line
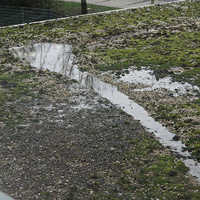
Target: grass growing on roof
x,y
160,37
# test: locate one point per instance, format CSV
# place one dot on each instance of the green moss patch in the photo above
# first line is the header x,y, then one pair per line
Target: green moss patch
x,y
148,172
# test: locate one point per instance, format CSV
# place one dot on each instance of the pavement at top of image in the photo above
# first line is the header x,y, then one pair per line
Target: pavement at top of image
x,y
116,3
123,3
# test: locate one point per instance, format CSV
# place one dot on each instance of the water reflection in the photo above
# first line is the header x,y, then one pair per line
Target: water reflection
x,y
53,57
59,58
149,81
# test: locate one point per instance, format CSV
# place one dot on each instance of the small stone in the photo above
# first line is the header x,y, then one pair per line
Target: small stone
x,y
91,192
2,125
176,138
112,148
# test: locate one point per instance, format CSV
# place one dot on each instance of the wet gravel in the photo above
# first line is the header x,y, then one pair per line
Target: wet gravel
x,y
60,147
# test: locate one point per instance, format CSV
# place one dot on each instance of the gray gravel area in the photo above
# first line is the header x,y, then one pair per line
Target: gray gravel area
x,y
62,146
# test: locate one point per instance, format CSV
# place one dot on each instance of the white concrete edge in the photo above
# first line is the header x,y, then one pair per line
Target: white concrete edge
x,y
92,14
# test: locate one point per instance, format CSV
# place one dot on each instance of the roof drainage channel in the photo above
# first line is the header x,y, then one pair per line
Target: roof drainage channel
x,y
59,58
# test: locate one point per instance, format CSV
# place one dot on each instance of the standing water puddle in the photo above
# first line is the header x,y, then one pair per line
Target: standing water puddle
x,y
149,82
59,58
